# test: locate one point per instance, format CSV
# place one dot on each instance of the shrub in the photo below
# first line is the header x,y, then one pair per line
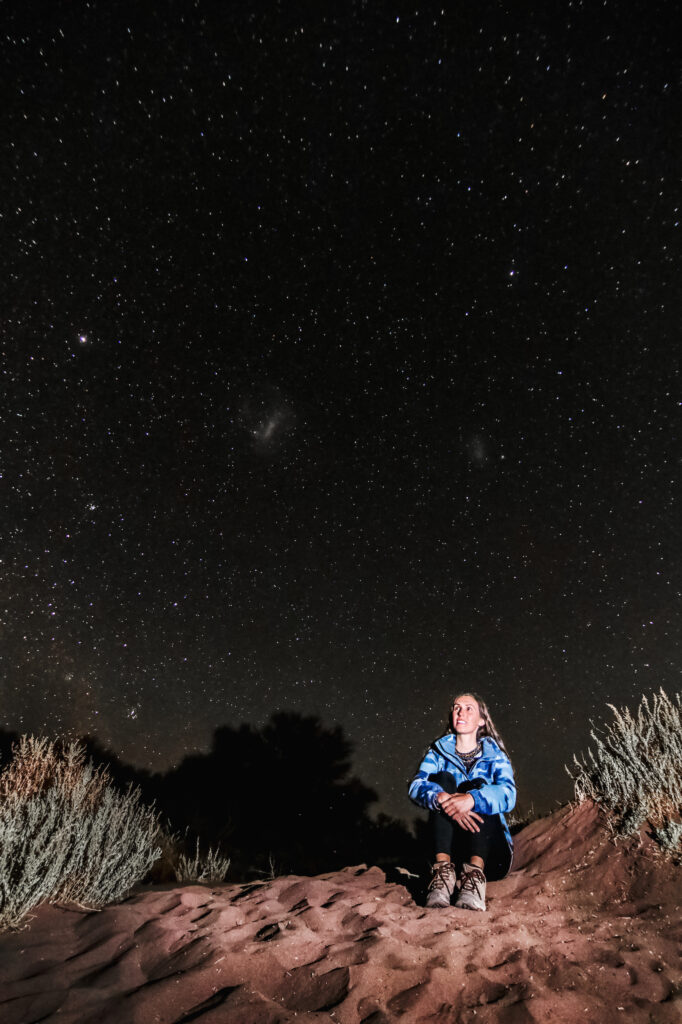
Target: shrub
x,y
521,817
636,769
66,833
209,867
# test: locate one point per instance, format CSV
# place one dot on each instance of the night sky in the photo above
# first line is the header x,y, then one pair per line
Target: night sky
x,y
340,368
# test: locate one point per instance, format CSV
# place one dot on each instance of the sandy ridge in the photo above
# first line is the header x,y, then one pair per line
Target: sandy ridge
x,y
581,930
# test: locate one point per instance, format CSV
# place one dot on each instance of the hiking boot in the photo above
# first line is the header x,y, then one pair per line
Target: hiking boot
x,y
442,884
472,889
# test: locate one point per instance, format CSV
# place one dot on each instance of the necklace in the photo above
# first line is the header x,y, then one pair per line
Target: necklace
x,y
472,755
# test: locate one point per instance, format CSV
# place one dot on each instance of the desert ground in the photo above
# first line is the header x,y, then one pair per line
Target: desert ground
x,y
583,929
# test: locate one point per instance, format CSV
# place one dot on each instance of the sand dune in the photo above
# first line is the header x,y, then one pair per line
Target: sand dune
x,y
582,930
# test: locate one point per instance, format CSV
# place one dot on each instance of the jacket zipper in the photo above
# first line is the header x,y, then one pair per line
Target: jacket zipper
x,y
448,758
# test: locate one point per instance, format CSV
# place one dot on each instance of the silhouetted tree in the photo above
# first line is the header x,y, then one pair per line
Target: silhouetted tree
x,y
281,793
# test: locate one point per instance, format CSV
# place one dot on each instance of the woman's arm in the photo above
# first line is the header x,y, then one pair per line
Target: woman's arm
x,y
499,795
422,791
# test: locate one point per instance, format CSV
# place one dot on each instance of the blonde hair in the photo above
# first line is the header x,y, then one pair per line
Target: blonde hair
x,y
488,727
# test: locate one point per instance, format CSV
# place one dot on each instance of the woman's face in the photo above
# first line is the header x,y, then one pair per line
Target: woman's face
x,y
466,715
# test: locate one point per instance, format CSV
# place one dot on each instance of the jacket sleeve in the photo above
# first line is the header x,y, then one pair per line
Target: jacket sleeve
x,y
422,791
497,796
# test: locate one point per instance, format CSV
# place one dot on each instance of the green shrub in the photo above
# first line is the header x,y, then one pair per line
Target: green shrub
x,y
66,833
636,769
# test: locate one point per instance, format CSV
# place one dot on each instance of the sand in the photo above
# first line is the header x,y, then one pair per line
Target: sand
x,y
582,930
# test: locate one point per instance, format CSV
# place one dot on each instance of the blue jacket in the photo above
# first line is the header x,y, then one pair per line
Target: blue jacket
x,y
497,795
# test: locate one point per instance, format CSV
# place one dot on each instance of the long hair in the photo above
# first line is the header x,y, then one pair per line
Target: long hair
x,y
488,727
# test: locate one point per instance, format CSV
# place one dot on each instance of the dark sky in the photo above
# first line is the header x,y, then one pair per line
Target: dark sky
x,y
340,364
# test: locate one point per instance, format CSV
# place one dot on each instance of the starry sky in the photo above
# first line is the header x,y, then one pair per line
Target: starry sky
x,y
340,372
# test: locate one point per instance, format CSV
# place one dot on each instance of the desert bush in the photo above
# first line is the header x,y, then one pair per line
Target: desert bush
x,y
202,867
66,833
636,769
521,817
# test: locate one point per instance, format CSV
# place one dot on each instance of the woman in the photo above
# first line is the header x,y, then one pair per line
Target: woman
x,y
467,783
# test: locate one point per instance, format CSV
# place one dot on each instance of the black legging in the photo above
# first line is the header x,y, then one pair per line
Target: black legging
x,y
458,842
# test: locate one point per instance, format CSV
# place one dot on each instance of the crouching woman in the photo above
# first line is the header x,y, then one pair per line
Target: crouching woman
x,y
467,783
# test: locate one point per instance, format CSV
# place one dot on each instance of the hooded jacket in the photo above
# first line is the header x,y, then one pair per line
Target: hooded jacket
x,y
497,792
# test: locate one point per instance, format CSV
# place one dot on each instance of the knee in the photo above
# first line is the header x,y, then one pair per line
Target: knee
x,y
445,780
467,786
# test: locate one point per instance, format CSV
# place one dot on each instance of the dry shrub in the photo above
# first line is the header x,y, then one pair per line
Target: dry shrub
x,y
208,867
636,769
66,833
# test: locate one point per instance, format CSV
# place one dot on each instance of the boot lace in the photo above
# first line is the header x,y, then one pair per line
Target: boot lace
x,y
441,876
471,880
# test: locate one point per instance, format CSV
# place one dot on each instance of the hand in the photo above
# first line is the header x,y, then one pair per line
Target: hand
x,y
469,821
459,807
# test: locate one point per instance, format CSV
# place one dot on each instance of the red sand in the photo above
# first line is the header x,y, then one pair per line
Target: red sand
x,y
582,930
